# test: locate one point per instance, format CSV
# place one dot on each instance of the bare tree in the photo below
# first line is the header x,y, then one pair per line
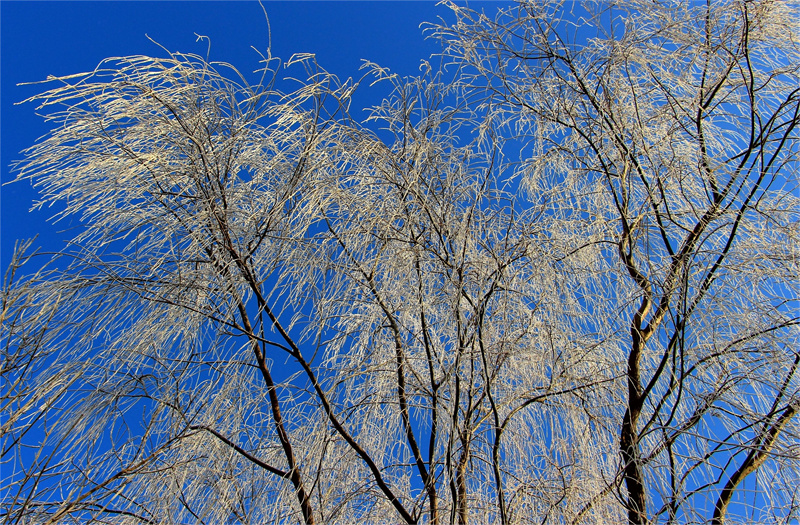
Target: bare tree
x,y
671,134
553,285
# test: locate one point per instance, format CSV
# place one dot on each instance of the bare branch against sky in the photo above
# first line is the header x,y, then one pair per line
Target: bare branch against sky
x,y
548,274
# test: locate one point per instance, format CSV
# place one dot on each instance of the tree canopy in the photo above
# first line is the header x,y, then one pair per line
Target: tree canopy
x,y
551,279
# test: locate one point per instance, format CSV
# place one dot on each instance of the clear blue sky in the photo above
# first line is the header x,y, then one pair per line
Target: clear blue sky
x,y
38,39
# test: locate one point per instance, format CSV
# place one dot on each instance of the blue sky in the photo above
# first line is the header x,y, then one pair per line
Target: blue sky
x,y
38,39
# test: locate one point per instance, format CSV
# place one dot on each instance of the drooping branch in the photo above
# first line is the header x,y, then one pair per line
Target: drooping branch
x,y
757,456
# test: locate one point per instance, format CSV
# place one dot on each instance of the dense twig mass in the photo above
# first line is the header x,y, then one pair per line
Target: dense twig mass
x,y
552,281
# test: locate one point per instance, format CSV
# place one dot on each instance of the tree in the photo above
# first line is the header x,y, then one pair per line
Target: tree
x,y
671,132
555,283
